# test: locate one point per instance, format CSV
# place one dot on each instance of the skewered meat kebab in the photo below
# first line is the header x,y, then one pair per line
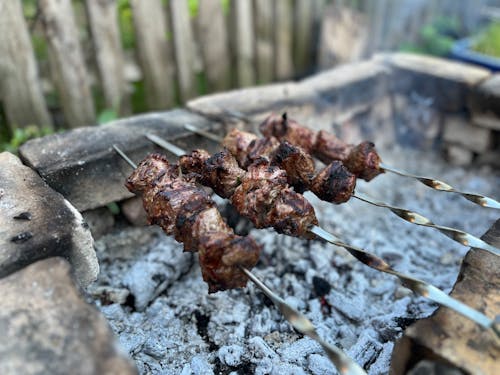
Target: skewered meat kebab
x,y
334,183
222,173
361,160
181,208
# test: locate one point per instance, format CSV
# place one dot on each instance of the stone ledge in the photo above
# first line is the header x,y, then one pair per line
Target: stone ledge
x,y
457,130
253,100
82,165
48,328
36,223
447,82
351,84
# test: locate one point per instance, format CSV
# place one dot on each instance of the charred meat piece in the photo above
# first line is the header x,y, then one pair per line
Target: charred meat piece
x,y
194,162
261,148
221,257
298,164
266,199
222,173
334,183
285,129
237,142
329,148
364,161
147,172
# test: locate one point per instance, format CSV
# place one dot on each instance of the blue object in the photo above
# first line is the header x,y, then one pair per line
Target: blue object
x,y
461,51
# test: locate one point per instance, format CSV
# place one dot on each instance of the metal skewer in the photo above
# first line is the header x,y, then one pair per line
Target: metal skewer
x,y
463,238
433,183
420,287
343,363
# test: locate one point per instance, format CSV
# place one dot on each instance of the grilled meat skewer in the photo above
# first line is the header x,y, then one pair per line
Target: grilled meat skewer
x,y
282,205
334,183
144,179
362,160
183,209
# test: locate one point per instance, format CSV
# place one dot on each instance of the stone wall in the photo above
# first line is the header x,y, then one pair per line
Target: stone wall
x,y
392,99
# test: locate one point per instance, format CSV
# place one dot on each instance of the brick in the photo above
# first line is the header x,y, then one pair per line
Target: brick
x,y
82,165
458,155
457,130
484,103
36,222
99,220
447,82
47,327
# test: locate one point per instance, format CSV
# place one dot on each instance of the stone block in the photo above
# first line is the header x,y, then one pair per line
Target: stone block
x,y
99,220
133,210
458,155
82,165
36,223
457,130
484,103
253,100
447,82
351,84
48,328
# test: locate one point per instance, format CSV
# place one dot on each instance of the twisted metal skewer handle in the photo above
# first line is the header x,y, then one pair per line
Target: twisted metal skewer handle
x,y
478,199
344,364
418,286
457,235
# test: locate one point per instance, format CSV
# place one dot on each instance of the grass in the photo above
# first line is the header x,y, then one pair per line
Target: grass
x,y
488,42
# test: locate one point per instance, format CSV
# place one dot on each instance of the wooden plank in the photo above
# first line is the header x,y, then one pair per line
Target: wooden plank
x,y
303,35
20,88
213,42
243,41
264,40
66,62
108,52
283,39
154,52
184,48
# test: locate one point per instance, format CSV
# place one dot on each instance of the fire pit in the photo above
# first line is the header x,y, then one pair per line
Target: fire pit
x,y
152,293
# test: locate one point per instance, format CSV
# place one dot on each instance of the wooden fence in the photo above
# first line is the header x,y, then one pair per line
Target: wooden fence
x,y
177,53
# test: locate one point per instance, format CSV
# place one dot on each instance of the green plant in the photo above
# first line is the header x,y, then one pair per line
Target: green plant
x,y
22,135
436,38
488,41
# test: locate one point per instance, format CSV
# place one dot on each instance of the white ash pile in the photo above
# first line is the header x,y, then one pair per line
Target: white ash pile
x,y
156,302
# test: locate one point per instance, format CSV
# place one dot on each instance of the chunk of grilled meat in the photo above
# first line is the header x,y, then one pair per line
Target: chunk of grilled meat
x,y
237,142
362,160
260,148
334,183
222,255
183,209
266,199
285,129
297,163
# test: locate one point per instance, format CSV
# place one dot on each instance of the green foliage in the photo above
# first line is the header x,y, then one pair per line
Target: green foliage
x,y
22,135
488,41
107,115
193,8
126,25
436,38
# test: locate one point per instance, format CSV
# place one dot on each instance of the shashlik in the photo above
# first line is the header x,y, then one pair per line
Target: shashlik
x,y
334,183
261,193
283,213
361,160
183,209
